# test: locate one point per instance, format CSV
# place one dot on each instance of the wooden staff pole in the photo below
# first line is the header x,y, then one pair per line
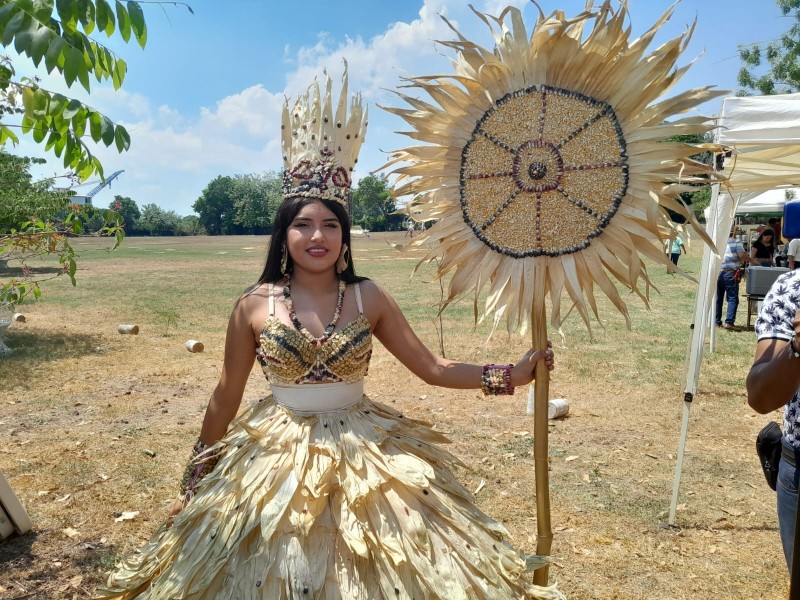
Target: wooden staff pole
x,y
540,453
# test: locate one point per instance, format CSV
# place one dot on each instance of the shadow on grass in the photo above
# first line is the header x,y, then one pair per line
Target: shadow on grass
x,y
717,527
7,271
29,349
15,552
44,575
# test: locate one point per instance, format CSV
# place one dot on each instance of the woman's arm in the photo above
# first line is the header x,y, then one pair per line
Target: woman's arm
x,y
239,357
392,329
226,398
775,375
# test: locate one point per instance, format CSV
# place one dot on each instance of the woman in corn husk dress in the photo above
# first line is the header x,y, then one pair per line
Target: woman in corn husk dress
x,y
317,491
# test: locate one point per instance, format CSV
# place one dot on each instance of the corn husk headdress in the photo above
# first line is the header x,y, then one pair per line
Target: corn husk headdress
x,y
544,166
320,148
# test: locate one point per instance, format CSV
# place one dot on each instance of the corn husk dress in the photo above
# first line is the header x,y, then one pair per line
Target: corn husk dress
x,y
321,493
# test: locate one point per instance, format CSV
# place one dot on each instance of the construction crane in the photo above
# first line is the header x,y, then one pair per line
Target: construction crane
x,y
87,198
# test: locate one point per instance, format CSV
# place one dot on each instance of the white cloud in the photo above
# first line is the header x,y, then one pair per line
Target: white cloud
x,y
495,7
252,111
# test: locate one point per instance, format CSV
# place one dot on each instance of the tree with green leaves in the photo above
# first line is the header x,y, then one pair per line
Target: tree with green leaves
x,y
157,221
780,58
215,206
21,197
190,225
242,204
25,237
373,206
128,210
698,200
56,36
256,198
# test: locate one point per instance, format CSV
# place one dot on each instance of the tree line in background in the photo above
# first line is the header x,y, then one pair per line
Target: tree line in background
x,y
246,205
237,205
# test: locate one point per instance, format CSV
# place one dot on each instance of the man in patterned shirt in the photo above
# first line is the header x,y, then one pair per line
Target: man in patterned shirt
x,y
774,381
728,281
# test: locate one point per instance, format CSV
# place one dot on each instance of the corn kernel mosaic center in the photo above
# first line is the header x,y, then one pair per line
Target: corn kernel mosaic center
x,y
543,172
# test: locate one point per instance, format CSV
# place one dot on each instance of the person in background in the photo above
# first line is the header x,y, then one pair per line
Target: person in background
x,y
776,224
728,281
774,381
676,248
762,252
793,253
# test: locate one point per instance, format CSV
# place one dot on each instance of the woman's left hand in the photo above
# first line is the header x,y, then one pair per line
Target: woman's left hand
x,y
523,372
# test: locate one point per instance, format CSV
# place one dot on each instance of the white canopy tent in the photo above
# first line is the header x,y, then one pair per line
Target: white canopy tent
x,y
764,134
768,202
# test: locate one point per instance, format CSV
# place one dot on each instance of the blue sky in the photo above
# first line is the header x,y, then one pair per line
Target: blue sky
x,y
204,98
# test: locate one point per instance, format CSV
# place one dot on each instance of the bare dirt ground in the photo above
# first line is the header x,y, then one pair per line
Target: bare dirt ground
x,y
95,428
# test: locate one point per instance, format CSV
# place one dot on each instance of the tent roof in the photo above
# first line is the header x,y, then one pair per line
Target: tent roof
x,y
771,201
765,134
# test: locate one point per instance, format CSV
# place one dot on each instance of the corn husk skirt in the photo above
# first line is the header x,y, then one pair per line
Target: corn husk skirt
x,y
353,504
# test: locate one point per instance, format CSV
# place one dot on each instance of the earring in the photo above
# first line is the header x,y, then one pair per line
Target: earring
x,y
341,263
284,260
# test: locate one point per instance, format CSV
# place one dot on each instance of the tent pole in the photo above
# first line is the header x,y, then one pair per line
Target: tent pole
x,y
712,320
701,319
673,507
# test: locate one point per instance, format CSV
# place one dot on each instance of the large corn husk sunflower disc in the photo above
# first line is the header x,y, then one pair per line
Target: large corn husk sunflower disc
x,y
545,168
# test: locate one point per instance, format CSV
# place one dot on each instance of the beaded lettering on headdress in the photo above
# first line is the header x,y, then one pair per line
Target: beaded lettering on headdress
x,y
320,150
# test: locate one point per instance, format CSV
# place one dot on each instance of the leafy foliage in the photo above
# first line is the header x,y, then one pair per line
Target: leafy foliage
x,y
240,204
20,197
37,238
255,200
246,204
55,35
781,56
215,206
128,210
157,221
373,205
699,200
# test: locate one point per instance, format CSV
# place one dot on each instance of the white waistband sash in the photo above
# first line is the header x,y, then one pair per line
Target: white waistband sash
x,y
312,398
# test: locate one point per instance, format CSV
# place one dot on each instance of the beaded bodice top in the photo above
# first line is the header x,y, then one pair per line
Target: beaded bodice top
x,y
287,357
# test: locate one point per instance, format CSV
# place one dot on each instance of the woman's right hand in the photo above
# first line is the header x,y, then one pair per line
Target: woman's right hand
x,y
176,508
523,372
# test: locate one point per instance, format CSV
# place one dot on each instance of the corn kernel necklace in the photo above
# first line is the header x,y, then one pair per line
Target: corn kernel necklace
x,y
287,296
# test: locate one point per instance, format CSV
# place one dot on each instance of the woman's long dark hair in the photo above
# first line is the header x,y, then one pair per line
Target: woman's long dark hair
x,y
284,216
767,231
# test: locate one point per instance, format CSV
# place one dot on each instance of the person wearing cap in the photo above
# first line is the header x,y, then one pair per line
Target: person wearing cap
x,y
733,261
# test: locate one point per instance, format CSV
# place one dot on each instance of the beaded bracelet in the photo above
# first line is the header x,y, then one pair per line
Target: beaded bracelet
x,y
200,464
496,380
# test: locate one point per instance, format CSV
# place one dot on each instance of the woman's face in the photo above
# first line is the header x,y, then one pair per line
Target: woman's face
x,y
767,238
314,239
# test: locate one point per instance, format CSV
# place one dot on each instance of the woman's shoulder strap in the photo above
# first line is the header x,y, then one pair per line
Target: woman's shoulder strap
x,y
270,291
360,305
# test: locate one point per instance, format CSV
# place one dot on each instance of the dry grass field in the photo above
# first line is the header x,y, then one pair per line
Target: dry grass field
x,y
95,426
